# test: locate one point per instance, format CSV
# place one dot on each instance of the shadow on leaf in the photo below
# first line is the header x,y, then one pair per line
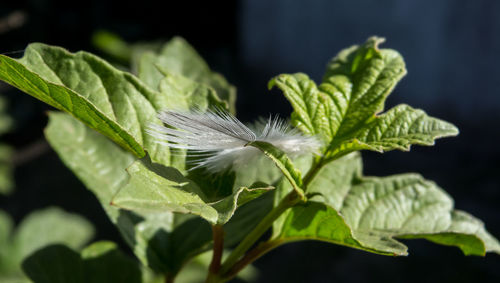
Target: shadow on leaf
x,y
99,263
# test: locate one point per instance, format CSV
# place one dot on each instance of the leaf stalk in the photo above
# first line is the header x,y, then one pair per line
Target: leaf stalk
x,y
290,200
215,264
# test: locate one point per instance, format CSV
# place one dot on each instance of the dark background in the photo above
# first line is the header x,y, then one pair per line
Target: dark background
x,y
452,51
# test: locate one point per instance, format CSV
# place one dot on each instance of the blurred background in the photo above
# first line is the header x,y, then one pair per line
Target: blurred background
x,y
452,52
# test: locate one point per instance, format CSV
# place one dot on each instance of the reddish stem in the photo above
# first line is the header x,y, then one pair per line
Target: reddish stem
x,y
218,236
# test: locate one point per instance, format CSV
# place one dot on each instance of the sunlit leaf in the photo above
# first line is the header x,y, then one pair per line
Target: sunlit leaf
x,y
101,166
369,213
110,101
154,188
343,109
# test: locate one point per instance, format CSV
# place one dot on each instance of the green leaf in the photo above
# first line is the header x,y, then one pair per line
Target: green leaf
x,y
227,206
317,221
283,163
125,53
466,232
99,262
163,241
245,218
359,79
283,188
93,158
104,262
183,93
113,102
342,109
398,128
342,112
368,213
262,169
219,186
309,104
39,229
54,264
248,215
177,57
335,179
420,210
225,188
113,45
6,227
51,225
154,188
164,189
84,86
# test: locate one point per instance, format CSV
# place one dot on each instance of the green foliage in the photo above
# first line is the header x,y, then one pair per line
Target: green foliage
x,y
165,212
101,166
283,163
155,188
100,262
368,213
112,45
154,237
37,230
343,109
178,58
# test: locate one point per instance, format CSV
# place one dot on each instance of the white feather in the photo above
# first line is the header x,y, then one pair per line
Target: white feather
x,y
218,141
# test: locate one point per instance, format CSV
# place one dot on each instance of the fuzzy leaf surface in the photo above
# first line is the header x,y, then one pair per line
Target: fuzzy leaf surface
x,y
82,85
115,103
398,128
163,241
101,165
343,109
153,188
369,213
163,189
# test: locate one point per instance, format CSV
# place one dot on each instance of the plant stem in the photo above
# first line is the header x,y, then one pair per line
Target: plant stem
x,y
315,168
251,256
233,264
237,260
218,237
290,200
